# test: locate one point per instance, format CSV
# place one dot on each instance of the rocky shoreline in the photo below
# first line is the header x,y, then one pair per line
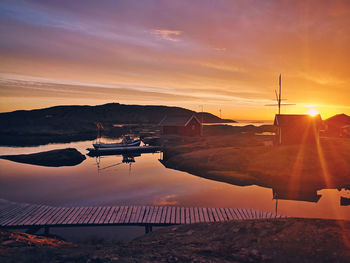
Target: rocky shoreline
x,y
247,159
279,240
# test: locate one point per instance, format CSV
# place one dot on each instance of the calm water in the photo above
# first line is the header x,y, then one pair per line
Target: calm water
x,y
244,123
144,182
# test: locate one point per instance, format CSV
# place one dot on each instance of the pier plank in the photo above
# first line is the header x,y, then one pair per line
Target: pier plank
x,y
178,215
104,215
215,215
85,215
154,215
142,214
210,215
86,219
53,213
228,213
187,216
173,215
64,216
192,216
147,212
17,213
159,215
205,215
10,209
99,215
55,219
34,219
243,215
21,217
182,219
124,214
119,215
80,215
224,215
114,214
135,213
128,215
76,213
94,215
164,215
168,215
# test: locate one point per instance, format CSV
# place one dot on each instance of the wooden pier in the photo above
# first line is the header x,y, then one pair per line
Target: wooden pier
x,y
34,217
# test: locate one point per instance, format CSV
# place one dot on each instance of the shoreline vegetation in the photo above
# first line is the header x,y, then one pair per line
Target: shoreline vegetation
x,y
287,240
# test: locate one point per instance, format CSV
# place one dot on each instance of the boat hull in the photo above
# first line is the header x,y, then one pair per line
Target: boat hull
x,y
123,150
116,145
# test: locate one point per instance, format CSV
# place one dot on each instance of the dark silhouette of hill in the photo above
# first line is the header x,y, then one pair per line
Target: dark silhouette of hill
x,y
70,120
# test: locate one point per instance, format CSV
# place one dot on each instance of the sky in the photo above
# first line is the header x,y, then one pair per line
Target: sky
x,y
219,55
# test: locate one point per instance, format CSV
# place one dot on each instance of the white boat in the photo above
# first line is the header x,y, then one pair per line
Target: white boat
x,y
122,150
127,141
117,145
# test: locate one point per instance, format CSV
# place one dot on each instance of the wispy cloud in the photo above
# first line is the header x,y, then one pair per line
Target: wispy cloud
x,y
167,34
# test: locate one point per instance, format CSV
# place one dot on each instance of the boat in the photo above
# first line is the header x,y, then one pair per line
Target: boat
x,y
122,150
126,142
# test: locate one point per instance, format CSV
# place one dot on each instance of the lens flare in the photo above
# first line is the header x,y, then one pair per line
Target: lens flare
x,y
313,112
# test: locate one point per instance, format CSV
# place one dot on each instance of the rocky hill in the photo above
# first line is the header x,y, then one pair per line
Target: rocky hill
x,y
61,120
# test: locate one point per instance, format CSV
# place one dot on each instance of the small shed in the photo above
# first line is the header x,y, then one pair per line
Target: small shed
x,y
181,125
297,129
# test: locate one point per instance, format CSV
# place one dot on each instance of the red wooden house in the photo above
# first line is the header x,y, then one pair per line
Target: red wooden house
x,y
181,125
297,129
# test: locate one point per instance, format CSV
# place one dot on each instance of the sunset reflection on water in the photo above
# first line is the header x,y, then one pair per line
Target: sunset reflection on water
x,y
145,182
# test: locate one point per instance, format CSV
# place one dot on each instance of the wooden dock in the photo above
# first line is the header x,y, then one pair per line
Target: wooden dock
x,y
14,215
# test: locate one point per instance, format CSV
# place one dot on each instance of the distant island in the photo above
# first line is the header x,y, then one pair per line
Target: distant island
x,y
79,122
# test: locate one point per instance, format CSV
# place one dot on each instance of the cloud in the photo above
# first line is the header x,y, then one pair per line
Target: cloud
x,y
219,48
167,34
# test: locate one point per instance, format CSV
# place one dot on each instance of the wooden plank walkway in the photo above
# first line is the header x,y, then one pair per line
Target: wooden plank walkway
x,y
14,215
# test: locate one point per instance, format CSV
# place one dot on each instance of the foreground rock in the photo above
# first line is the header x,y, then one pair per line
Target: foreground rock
x,y
283,240
54,158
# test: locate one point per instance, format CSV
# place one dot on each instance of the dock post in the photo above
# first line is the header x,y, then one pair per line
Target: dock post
x,y
46,231
148,228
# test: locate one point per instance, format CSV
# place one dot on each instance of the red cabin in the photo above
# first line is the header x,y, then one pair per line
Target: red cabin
x,y
297,129
181,125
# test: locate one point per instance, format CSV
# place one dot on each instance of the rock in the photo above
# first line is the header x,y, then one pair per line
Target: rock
x,y
190,232
54,158
8,242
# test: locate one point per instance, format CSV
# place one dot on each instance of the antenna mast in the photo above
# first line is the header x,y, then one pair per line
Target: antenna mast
x,y
279,96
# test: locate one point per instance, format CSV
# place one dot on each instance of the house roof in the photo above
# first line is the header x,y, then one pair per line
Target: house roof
x,y
177,120
286,120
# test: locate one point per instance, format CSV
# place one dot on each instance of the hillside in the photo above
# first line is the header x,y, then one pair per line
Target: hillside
x,y
61,120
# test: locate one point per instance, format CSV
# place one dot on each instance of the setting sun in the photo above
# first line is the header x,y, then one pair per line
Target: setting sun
x,y
313,112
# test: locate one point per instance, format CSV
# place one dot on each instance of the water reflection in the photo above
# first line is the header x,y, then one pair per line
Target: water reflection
x,y
143,180
126,159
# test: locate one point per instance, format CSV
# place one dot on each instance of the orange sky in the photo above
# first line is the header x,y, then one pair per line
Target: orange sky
x,y
220,54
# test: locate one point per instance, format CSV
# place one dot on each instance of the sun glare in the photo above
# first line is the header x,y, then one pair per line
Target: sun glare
x,y
313,112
